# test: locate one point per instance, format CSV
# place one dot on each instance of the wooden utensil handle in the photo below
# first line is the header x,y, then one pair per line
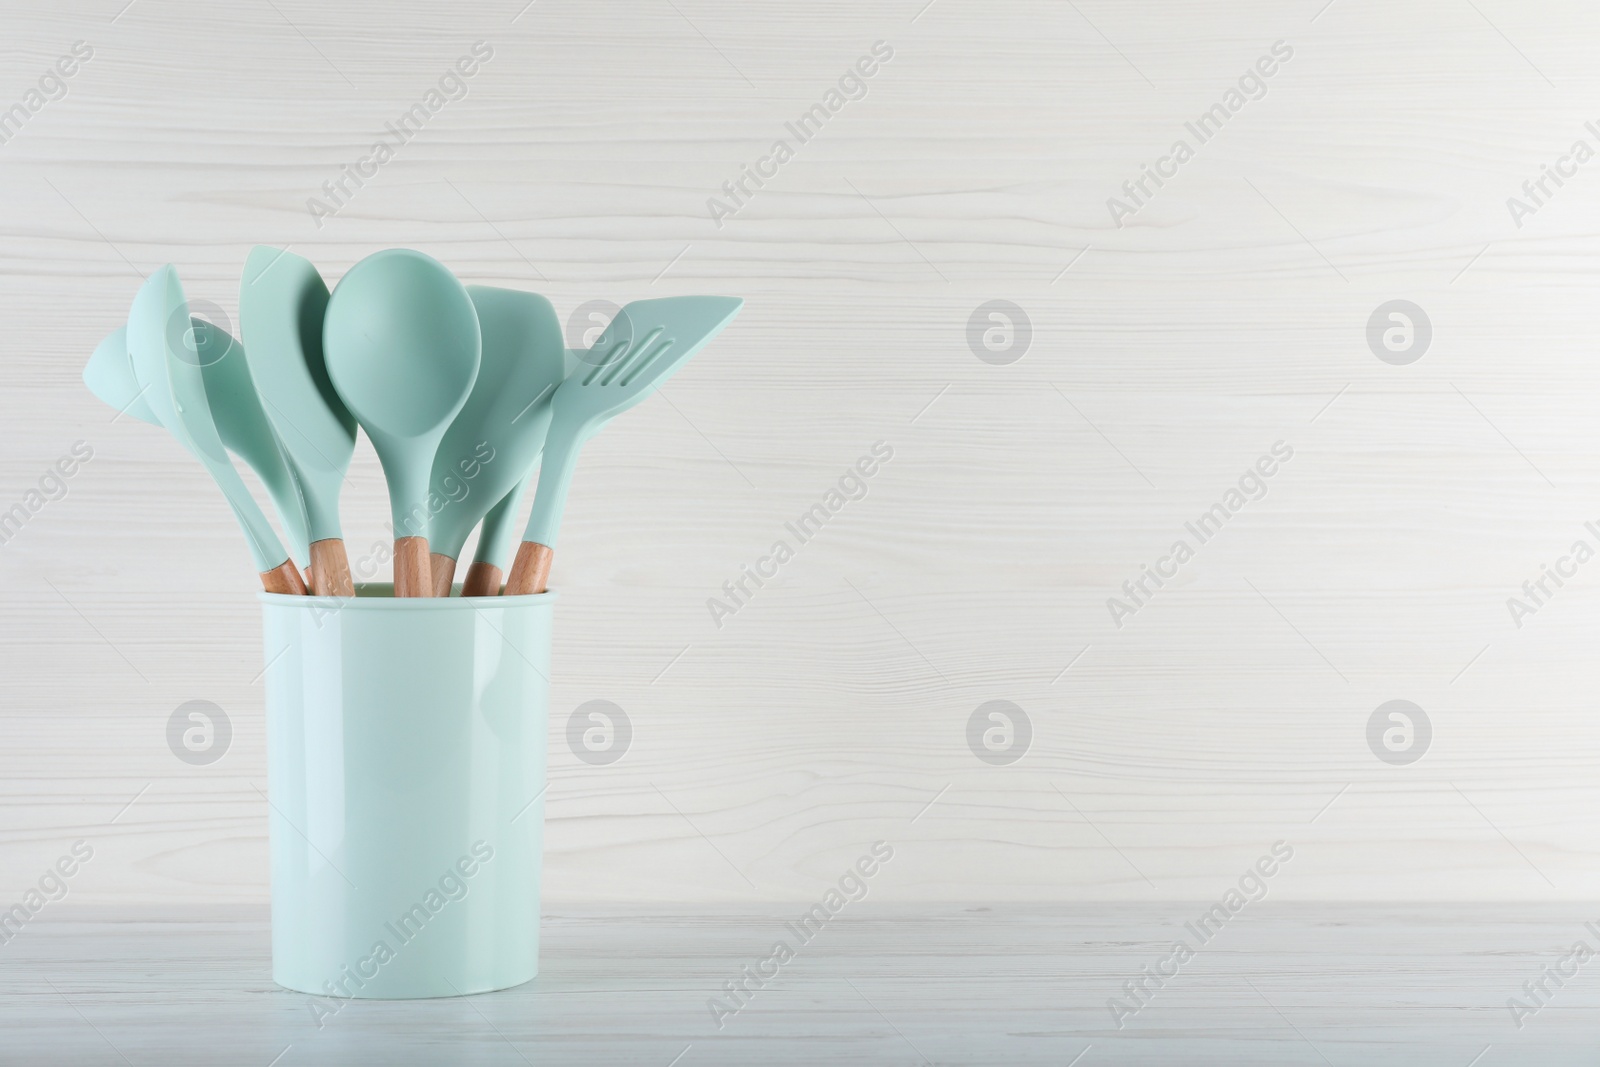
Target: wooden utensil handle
x,y
329,574
284,578
531,571
444,572
483,579
413,573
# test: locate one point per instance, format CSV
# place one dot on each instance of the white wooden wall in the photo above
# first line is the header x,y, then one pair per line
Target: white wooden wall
x,y
1166,356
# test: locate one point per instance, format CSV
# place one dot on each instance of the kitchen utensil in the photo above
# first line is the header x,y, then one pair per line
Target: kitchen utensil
x,y
168,371
643,345
240,422
496,437
402,345
109,376
282,302
486,574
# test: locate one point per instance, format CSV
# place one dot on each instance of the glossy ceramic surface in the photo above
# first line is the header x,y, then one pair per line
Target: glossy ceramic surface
x,y
407,805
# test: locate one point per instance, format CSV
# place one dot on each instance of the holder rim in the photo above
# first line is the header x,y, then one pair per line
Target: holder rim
x,y
379,596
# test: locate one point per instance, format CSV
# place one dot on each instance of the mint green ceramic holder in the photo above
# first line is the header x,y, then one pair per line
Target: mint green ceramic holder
x,y
406,770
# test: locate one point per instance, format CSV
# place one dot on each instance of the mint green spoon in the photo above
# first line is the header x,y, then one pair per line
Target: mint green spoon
x,y
241,423
402,345
496,437
168,371
643,345
282,304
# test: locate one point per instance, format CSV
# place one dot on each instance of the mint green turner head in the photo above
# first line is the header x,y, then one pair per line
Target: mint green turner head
x,y
496,437
282,301
167,365
640,349
240,421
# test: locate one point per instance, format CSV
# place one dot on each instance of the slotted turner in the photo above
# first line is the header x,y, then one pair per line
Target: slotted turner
x,y
640,349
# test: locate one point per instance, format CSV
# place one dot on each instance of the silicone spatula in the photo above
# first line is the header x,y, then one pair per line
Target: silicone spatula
x,y
643,345
240,421
109,376
487,574
496,437
498,533
282,303
161,345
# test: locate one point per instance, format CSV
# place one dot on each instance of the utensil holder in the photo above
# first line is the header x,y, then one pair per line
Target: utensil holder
x,y
406,775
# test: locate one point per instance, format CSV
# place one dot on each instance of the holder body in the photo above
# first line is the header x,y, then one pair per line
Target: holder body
x,y
406,775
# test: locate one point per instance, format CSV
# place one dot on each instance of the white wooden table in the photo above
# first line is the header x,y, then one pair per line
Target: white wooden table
x,y
892,984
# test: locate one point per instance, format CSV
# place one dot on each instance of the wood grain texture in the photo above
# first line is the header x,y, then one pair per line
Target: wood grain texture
x,y
1388,985
413,571
443,569
284,578
530,570
830,705
329,573
483,579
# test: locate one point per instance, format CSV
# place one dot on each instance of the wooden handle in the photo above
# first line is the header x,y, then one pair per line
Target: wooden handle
x,y
531,571
329,574
444,572
413,573
483,579
284,578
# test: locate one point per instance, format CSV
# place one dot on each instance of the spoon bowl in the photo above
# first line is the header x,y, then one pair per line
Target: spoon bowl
x,y
403,347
